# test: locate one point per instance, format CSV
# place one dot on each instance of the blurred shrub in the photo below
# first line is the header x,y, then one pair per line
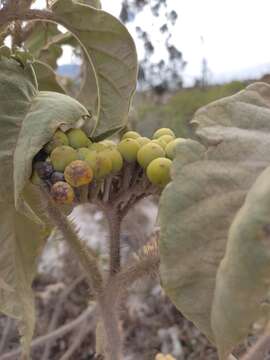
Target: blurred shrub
x,y
179,109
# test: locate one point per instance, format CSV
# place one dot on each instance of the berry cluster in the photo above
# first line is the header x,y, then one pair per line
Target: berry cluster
x,y
71,161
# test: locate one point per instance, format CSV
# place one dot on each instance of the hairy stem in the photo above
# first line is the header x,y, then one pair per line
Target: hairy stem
x,y
85,255
114,221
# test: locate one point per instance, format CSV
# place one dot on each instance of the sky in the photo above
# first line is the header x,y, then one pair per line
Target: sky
x,y
235,33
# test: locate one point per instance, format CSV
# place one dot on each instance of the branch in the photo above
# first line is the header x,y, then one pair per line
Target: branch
x,y
13,355
57,312
7,16
259,350
5,334
114,222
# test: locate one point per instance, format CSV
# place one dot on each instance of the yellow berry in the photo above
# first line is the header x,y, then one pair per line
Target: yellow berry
x,y
116,159
162,143
77,138
143,140
99,146
78,173
100,163
171,147
163,131
129,148
62,156
149,152
59,138
62,193
158,171
166,138
130,135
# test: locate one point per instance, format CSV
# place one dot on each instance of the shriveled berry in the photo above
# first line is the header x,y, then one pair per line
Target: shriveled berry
x,y
44,169
158,171
62,156
57,176
163,131
149,152
77,138
78,173
62,193
131,135
129,149
59,138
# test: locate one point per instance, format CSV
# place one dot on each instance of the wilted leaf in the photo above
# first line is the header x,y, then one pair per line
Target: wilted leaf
x,y
28,118
208,188
110,51
46,78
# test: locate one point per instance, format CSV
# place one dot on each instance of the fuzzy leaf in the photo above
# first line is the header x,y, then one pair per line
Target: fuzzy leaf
x,y
208,188
111,53
46,78
28,118
243,279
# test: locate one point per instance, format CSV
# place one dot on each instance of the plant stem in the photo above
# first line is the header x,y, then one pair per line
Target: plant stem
x,y
114,221
259,350
85,255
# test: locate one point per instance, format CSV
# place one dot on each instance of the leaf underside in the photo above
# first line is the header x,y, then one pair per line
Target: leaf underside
x,y
28,119
111,60
211,180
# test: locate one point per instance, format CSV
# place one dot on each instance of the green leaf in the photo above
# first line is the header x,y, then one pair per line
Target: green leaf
x,y
28,119
208,188
94,3
111,53
47,78
107,134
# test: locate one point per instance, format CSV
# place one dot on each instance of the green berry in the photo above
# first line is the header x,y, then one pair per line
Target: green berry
x,y
163,131
62,193
77,138
129,148
143,140
59,138
35,179
131,135
166,138
100,163
82,152
99,146
78,173
116,159
62,156
171,147
158,171
149,152
108,143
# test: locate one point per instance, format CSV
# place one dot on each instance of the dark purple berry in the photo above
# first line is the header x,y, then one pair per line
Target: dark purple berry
x,y
57,176
43,169
40,156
